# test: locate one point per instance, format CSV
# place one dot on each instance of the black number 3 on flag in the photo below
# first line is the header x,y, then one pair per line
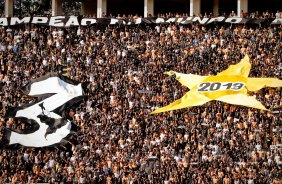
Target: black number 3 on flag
x,y
55,93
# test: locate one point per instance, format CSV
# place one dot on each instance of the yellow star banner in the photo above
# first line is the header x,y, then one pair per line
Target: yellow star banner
x,y
229,86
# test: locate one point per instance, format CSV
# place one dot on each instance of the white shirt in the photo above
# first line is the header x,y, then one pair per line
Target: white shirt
x,y
258,147
45,62
176,158
51,163
25,156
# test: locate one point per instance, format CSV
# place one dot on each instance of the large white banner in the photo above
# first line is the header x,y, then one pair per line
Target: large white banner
x,y
66,21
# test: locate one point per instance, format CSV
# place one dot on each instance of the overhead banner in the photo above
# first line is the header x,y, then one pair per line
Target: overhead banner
x,y
229,86
45,120
67,21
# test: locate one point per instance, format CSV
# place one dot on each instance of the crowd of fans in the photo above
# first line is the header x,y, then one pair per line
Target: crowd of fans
x,y
252,15
27,8
119,141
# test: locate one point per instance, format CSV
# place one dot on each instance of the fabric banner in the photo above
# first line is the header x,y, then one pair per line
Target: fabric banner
x,y
229,86
67,21
47,125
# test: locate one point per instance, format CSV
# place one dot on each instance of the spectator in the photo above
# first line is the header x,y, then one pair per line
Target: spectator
x,y
119,140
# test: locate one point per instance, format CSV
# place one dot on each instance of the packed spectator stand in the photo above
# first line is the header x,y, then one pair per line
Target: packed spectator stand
x,y
119,141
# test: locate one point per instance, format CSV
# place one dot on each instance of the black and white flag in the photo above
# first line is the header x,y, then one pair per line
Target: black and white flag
x,y
68,21
49,127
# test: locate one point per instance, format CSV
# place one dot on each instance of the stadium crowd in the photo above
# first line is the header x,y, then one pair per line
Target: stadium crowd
x,y
119,141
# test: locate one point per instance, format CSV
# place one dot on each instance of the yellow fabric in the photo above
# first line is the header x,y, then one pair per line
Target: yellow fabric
x,y
243,68
188,100
229,86
185,79
255,84
242,99
216,94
